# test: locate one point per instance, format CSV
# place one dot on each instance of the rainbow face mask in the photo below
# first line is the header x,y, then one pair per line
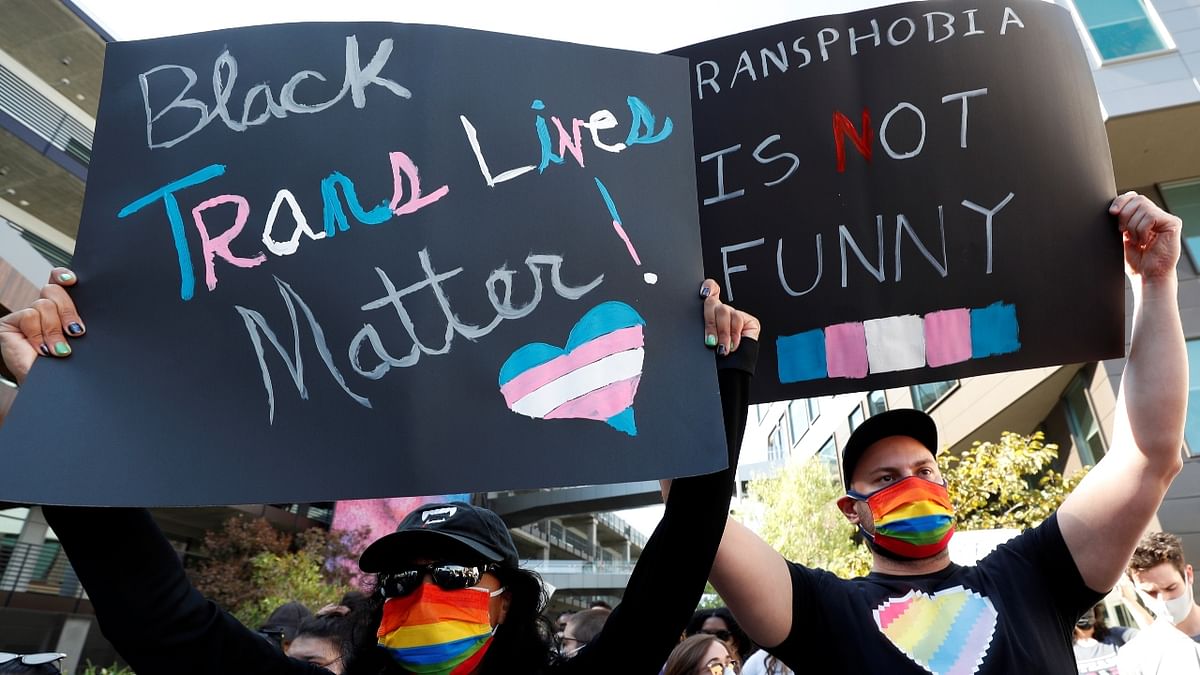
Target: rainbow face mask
x,y
913,518
438,632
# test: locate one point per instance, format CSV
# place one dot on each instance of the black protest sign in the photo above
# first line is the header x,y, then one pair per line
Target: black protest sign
x,y
356,260
906,194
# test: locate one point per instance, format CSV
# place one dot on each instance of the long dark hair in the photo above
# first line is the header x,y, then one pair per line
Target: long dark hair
x,y
738,638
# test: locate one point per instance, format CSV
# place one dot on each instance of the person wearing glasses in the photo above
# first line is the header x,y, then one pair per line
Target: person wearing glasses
x,y
45,663
451,596
1013,612
581,628
719,621
701,654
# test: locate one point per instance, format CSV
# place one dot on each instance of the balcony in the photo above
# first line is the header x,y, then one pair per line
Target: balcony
x,y
38,577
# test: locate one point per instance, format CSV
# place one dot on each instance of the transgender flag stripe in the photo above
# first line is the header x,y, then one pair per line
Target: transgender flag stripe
x,y
589,352
540,402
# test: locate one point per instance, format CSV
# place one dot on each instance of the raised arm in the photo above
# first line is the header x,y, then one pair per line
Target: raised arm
x,y
1104,517
667,582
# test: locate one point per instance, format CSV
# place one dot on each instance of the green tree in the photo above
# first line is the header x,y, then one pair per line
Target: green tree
x,y
251,568
1005,484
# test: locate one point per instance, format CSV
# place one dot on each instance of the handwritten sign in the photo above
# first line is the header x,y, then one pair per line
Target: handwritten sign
x,y
907,194
359,260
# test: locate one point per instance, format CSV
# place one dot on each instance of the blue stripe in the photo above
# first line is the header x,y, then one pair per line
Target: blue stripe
x,y
602,320
529,356
948,654
917,525
612,208
438,653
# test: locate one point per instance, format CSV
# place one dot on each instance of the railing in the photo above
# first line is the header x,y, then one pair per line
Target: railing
x,y
578,567
36,568
45,118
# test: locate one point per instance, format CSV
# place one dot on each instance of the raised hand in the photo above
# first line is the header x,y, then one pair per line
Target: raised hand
x,y
43,328
1151,236
724,326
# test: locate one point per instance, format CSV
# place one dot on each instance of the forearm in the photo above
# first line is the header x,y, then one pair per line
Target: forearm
x,y
1152,404
668,581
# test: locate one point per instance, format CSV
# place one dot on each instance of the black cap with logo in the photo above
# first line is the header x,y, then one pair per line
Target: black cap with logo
x,y
435,529
900,422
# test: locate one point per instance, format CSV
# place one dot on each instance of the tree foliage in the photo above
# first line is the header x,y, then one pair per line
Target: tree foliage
x,y
252,568
1005,484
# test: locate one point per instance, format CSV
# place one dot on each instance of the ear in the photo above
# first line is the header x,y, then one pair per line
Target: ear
x,y
505,601
846,506
1188,575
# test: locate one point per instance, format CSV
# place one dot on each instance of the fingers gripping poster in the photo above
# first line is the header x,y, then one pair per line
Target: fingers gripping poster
x,y
908,194
337,261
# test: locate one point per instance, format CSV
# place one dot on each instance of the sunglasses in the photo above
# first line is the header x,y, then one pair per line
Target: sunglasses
x,y
722,635
31,659
445,576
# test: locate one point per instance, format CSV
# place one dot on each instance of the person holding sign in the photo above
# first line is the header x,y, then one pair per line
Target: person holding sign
x,y
451,595
917,612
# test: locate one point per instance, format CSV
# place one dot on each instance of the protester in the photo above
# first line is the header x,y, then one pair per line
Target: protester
x,y
335,631
450,583
917,612
701,654
719,621
1163,579
1095,644
281,626
762,663
581,629
561,624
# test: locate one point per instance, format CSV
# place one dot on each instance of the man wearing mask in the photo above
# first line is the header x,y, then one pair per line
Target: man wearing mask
x,y
1164,582
917,612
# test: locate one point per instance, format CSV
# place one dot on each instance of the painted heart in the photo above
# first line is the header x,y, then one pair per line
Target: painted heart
x,y
947,633
595,377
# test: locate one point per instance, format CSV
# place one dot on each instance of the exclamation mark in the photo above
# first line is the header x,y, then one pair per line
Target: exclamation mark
x,y
649,277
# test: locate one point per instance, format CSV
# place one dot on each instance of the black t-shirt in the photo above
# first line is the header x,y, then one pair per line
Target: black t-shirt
x,y
1011,613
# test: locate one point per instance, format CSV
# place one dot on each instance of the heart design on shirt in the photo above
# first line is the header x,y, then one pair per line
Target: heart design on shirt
x,y
947,633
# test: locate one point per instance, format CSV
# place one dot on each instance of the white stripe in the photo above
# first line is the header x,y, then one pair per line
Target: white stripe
x,y
614,368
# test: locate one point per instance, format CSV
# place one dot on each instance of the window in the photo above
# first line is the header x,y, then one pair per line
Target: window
x,y
828,456
1183,199
856,418
814,409
1082,419
797,420
876,402
1191,432
925,396
775,445
1121,28
760,410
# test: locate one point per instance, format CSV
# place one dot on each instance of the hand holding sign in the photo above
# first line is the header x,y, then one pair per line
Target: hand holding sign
x,y
1150,235
42,327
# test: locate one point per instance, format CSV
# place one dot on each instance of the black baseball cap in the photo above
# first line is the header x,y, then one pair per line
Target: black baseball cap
x,y
899,422
434,529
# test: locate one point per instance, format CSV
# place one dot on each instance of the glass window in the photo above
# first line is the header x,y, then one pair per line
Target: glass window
x,y
775,445
797,420
1183,199
1120,27
814,408
925,396
1084,426
876,402
760,410
828,456
1192,430
856,417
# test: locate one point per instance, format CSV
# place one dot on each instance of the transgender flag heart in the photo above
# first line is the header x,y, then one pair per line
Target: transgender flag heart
x,y
594,378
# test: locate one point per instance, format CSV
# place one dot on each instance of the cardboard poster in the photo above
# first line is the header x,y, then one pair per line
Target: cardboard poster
x,y
343,261
907,194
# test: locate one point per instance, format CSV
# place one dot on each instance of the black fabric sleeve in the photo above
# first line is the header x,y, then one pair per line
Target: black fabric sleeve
x,y
147,607
670,575
809,622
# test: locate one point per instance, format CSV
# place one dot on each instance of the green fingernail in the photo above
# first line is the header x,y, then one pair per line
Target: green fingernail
x,y
61,348
710,340
66,276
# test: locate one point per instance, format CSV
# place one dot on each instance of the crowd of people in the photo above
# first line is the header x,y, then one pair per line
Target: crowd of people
x,y
448,594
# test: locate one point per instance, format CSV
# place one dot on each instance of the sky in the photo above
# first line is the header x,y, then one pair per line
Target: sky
x,y
643,26
623,24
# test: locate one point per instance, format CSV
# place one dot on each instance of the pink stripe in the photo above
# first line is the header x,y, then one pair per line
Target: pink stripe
x,y
628,244
588,352
891,611
976,645
600,404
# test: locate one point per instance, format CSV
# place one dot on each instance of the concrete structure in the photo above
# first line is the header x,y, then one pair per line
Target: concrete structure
x,y
1146,64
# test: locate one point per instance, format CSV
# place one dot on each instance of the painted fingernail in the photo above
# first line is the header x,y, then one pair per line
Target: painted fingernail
x,y
61,348
710,340
74,329
66,276
44,349
721,350
704,291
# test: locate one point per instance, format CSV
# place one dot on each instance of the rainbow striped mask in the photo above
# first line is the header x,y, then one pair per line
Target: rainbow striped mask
x,y
913,518
438,632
